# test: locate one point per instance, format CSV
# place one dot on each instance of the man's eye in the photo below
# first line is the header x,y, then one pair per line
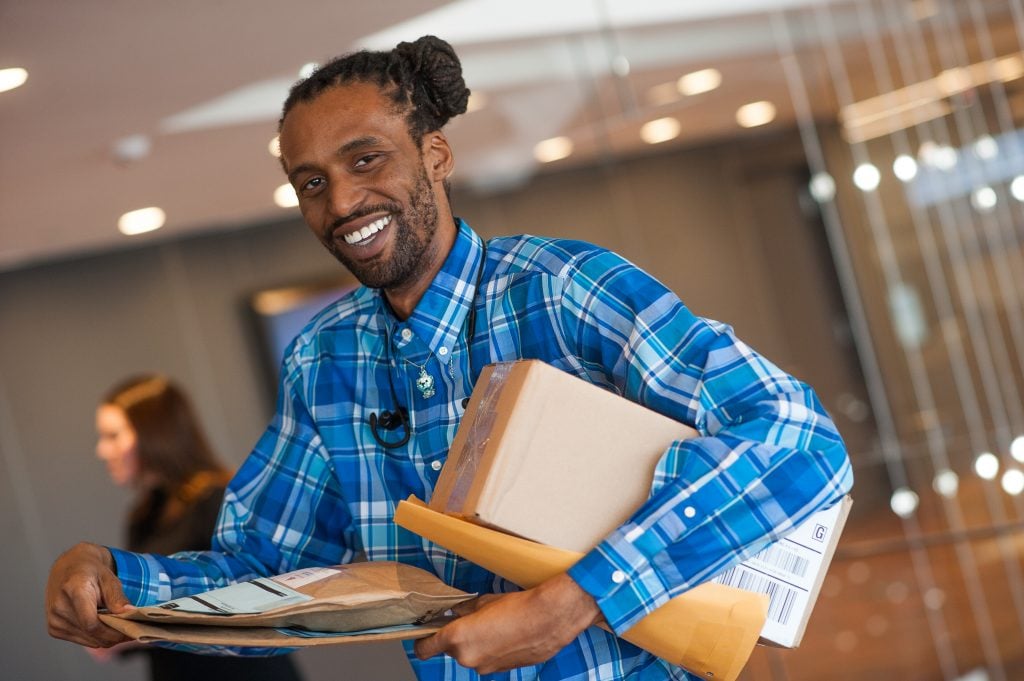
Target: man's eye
x,y
312,184
366,160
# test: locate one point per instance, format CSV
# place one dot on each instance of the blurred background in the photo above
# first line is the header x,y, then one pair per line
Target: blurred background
x,y
840,180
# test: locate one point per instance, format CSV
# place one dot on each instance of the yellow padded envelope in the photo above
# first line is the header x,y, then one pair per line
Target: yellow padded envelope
x,y
710,630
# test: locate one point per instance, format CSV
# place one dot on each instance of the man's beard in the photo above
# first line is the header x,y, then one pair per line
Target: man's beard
x,y
414,230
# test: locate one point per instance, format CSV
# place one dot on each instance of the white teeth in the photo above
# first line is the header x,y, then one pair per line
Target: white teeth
x,y
368,231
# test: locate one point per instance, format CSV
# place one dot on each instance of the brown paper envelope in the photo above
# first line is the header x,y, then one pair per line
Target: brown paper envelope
x,y
710,630
260,637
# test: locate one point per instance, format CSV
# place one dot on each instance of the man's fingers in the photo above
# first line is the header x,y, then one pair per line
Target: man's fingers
x,y
428,647
112,594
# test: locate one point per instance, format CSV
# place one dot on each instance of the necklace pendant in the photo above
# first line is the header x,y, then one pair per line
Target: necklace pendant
x,y
425,384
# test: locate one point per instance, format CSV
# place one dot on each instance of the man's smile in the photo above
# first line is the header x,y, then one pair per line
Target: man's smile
x,y
364,235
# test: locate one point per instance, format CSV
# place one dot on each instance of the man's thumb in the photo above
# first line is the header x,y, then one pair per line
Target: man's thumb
x,y
113,594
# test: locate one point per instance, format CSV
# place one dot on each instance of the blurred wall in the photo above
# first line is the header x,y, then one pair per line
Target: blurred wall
x,y
723,226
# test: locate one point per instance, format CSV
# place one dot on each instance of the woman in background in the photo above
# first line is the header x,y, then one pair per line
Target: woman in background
x,y
151,440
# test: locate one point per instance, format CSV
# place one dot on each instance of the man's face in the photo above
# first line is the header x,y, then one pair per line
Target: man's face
x,y
363,184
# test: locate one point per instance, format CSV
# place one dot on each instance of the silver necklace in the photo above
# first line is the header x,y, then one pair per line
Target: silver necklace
x,y
424,382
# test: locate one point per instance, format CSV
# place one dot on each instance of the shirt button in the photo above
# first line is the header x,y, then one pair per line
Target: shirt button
x,y
689,511
443,351
618,576
407,334
436,465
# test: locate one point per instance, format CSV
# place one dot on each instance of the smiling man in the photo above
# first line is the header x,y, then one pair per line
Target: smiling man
x,y
373,389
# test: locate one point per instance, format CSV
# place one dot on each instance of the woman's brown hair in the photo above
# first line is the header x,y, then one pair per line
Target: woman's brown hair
x,y
171,444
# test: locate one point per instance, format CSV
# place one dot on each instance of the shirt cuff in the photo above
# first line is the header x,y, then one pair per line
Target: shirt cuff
x,y
142,577
620,578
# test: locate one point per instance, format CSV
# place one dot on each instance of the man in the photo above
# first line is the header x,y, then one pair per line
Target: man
x,y
362,144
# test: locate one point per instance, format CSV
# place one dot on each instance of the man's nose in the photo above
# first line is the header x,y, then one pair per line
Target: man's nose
x,y
345,198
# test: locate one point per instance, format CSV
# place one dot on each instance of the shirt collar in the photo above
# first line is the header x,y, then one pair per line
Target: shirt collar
x,y
440,315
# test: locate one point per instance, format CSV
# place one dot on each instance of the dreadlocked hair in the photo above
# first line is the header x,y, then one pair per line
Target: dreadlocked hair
x,y
423,77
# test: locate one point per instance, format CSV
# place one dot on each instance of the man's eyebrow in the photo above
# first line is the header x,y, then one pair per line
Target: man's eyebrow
x,y
346,148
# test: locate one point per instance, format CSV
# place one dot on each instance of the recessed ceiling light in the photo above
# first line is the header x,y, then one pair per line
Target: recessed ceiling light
x,y
984,199
1017,448
697,82
12,78
553,149
755,114
275,147
1017,187
986,148
986,466
141,221
1013,482
946,483
905,167
822,187
904,502
867,177
660,130
285,196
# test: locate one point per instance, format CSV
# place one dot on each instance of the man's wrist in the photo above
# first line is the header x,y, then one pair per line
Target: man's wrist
x,y
563,595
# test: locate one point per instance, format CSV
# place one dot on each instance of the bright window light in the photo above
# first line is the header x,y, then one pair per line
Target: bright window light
x,y
12,78
697,82
986,466
141,221
904,502
867,177
285,197
553,149
755,114
1013,482
905,168
660,130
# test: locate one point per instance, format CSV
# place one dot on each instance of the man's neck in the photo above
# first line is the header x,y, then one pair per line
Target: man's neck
x,y
404,299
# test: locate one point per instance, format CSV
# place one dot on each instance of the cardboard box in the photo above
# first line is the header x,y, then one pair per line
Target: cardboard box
x,y
544,455
547,456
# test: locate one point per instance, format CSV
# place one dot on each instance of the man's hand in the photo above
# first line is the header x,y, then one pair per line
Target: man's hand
x,y
516,629
81,581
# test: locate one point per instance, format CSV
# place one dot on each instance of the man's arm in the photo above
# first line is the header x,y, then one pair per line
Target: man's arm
x,y
768,456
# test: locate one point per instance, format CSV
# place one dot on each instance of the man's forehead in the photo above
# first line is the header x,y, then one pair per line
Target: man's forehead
x,y
344,107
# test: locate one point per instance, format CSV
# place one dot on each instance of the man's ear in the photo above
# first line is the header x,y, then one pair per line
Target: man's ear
x,y
437,156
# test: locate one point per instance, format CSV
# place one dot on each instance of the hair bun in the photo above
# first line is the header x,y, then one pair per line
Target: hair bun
x,y
436,72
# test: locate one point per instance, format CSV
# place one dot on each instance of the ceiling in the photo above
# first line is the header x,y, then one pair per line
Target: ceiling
x,y
136,103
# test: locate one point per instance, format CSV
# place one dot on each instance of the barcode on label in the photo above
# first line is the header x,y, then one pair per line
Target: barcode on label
x,y
784,560
780,598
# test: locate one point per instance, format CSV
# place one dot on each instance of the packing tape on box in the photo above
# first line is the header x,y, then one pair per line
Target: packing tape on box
x,y
479,435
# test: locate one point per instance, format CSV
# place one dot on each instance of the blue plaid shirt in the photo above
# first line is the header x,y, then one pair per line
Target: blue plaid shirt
x,y
318,490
